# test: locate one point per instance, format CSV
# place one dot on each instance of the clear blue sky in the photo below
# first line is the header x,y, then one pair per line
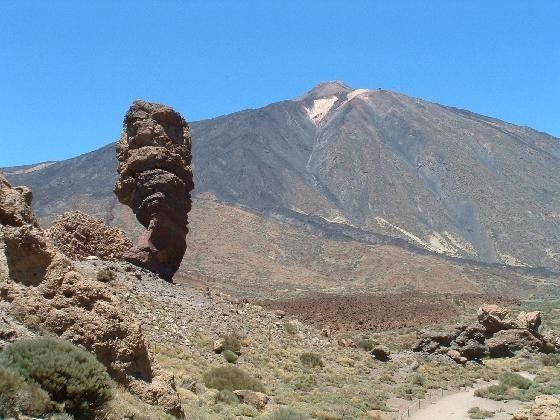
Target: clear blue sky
x,y
69,69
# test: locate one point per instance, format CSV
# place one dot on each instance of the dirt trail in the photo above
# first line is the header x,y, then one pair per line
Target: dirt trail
x,y
455,407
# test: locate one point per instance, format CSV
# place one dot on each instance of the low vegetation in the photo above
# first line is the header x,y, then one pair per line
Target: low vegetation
x,y
311,360
231,378
72,377
479,413
230,356
105,275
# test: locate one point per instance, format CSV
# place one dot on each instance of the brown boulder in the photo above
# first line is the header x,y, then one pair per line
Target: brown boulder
x,y
381,353
530,320
545,407
79,235
254,398
15,205
154,154
506,342
495,318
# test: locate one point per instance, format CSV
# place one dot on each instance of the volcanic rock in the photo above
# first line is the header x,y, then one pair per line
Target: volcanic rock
x,y
545,407
254,398
530,320
15,205
79,236
495,318
506,342
155,180
381,353
41,288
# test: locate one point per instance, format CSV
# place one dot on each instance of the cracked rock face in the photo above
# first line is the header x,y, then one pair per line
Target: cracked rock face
x,y
155,181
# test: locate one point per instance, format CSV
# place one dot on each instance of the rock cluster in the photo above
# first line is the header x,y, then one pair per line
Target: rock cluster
x,y
79,235
155,180
42,289
545,407
496,334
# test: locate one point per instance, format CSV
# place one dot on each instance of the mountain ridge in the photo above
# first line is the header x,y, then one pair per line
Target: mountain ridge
x,y
445,180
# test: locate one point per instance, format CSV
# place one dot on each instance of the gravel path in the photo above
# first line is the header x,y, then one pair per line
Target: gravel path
x,y
455,407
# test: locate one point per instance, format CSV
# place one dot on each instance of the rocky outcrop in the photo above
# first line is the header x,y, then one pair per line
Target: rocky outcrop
x,y
79,235
15,205
41,288
496,334
155,180
545,407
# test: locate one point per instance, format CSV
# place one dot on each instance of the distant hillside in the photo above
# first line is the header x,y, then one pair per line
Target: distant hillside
x,y
360,166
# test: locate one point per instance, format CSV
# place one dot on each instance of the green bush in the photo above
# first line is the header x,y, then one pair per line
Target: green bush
x,y
417,379
478,413
311,360
18,396
550,359
515,380
227,397
291,327
69,374
230,356
365,344
286,413
304,382
231,378
105,275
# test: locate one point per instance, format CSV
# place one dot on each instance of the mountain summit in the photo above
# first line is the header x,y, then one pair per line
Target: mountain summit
x,y
371,162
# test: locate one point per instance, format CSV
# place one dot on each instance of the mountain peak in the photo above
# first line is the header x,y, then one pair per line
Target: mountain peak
x,y
323,89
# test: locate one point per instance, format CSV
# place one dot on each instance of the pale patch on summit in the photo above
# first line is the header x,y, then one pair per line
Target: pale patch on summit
x,y
355,93
320,108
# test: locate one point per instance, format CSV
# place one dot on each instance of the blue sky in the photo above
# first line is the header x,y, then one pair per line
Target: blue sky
x,y
69,69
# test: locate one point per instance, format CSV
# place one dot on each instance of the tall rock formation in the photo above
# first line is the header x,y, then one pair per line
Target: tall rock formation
x,y
45,291
155,181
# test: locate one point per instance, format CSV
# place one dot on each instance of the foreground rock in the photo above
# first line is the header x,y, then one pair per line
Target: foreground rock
x,y
41,288
155,180
496,334
254,398
79,235
545,407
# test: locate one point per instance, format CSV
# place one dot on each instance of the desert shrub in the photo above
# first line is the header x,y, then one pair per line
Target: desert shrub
x,y
550,359
233,343
231,378
479,413
410,391
514,380
230,356
18,396
105,275
304,382
311,360
417,379
365,343
69,374
227,397
286,413
291,327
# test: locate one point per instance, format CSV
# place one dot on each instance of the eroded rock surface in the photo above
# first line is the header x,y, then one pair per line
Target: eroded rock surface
x,y
155,180
79,235
41,288
496,334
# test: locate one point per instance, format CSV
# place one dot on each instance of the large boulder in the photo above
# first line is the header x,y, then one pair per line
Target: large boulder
x,y
545,407
531,321
15,205
506,342
494,318
155,180
79,235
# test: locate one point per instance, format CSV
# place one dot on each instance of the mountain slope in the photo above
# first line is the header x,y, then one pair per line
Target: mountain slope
x,y
443,179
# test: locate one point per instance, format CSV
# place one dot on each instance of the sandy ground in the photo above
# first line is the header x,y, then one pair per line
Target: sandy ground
x,y
456,405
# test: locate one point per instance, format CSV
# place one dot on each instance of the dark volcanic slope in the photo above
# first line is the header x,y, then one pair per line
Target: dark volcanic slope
x,y
446,180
